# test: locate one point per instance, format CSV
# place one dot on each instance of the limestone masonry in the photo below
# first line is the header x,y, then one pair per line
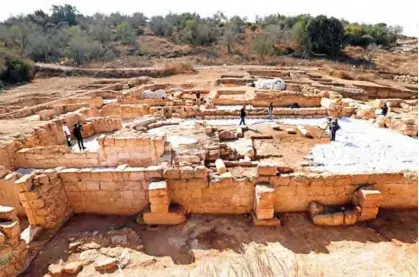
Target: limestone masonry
x,y
163,156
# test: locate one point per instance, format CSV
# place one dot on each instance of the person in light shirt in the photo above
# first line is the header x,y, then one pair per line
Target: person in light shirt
x,y
67,133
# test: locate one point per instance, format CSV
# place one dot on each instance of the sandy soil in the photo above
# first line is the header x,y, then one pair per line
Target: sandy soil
x,y
56,86
12,126
385,247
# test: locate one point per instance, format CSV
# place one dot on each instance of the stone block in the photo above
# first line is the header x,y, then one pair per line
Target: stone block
x,y
106,264
11,229
155,208
219,164
136,174
186,172
264,196
350,217
92,185
335,219
367,197
266,169
8,213
171,173
272,222
304,131
200,172
264,213
368,214
72,268
24,183
175,216
55,270
158,185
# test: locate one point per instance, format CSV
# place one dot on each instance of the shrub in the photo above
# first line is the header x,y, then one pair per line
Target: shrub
x,y
140,31
159,26
15,69
264,45
325,35
174,68
126,34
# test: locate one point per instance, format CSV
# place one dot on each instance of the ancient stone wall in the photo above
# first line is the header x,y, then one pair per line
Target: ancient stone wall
x,y
135,151
285,98
286,112
44,199
125,111
106,124
294,192
108,191
48,114
13,251
122,190
94,102
9,196
377,91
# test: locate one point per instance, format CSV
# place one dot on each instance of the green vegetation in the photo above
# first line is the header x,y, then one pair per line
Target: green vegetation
x,y
67,36
15,69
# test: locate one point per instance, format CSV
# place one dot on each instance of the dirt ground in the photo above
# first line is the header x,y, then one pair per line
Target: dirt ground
x,y
204,244
55,86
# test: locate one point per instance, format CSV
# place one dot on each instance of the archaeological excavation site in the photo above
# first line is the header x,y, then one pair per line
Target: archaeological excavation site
x,y
170,181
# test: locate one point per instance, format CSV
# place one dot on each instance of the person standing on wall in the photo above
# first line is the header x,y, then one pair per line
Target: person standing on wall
x,y
77,131
67,134
270,110
333,129
384,109
242,115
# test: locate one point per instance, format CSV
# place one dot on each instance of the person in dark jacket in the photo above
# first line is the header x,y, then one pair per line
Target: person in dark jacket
x,y
384,109
77,133
242,115
333,129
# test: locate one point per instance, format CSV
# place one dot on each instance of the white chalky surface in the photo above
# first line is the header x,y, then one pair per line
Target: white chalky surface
x,y
226,122
91,144
362,147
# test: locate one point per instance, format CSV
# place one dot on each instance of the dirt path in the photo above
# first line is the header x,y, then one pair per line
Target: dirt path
x,y
384,247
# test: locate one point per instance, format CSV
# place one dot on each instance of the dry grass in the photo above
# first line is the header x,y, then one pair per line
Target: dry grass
x,y
339,73
173,68
370,77
255,263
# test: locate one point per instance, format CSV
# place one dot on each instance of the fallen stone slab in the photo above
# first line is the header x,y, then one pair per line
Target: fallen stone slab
x,y
106,264
304,131
72,268
55,270
276,127
291,131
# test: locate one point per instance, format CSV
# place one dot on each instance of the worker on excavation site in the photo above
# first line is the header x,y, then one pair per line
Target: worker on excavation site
x,y
67,133
242,115
77,133
333,129
270,110
384,109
